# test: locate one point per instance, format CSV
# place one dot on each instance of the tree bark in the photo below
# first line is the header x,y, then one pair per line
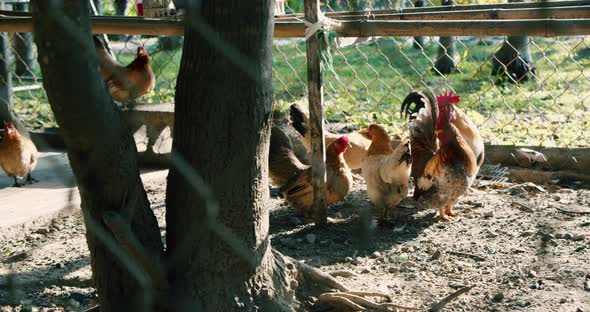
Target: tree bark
x,y
222,130
103,156
445,62
513,61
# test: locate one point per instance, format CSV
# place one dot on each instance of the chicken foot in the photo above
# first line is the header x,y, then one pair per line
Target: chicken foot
x,y
449,211
30,179
16,183
442,215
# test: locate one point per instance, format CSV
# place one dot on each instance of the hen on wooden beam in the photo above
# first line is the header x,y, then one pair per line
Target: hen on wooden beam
x,y
128,82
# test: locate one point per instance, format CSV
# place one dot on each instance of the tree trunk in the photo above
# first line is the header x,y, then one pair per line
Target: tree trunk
x,y
513,61
103,156
219,258
445,62
420,40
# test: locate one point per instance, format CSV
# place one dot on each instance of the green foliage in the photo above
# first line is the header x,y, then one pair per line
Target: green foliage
x,y
368,81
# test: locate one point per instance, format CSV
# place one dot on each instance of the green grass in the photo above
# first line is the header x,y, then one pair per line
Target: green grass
x,y
367,82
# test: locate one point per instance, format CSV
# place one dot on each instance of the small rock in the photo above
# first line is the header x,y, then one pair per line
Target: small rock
x,y
357,261
42,230
532,273
348,259
60,265
393,270
556,198
563,300
488,214
567,236
559,236
375,255
527,233
412,276
498,297
310,238
537,285
408,264
365,271
436,255
547,237
578,237
580,310
522,304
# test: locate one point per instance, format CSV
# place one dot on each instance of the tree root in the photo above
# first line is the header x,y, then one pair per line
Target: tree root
x,y
344,297
358,301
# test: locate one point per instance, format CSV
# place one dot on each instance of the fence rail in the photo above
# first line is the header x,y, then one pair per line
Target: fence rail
x,y
392,51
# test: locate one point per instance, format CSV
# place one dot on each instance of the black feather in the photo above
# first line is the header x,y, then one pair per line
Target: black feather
x,y
298,118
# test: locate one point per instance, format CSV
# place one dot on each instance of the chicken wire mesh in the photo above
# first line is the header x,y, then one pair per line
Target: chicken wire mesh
x,y
366,82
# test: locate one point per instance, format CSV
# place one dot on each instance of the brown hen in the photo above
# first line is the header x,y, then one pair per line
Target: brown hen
x,y
295,179
125,82
18,155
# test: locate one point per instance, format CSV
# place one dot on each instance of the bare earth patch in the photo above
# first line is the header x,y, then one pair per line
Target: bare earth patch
x,y
520,246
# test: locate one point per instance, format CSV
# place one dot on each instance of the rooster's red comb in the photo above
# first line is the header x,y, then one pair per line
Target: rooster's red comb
x,y
448,98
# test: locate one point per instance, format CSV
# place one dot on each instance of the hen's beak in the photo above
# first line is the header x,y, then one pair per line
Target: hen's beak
x,y
349,145
365,133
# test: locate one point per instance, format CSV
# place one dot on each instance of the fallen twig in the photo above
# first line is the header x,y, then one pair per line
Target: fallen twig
x,y
523,207
441,304
342,273
572,211
356,301
468,255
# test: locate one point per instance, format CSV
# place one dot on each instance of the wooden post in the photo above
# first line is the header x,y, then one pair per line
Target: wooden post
x,y
23,47
316,117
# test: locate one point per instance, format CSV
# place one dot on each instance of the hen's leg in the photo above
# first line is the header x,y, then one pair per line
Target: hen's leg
x,y
30,179
449,211
443,216
16,184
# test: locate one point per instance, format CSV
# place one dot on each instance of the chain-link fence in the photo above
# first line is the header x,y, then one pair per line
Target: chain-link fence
x,y
546,103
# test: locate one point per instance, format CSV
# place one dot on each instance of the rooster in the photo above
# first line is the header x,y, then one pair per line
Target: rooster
x,y
463,123
295,179
18,155
386,170
125,82
359,142
444,165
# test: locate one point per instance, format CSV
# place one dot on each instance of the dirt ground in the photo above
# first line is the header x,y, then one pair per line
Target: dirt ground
x,y
522,247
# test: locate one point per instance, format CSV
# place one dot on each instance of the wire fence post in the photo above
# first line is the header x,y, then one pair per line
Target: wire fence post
x,y
316,115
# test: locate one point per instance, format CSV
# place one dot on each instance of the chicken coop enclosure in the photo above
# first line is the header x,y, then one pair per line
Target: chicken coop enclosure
x,y
522,69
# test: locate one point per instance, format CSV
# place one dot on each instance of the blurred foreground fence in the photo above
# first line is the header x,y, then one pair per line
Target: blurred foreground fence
x,y
543,100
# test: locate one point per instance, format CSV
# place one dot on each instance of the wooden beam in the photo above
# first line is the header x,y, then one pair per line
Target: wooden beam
x,y
532,27
540,28
465,7
108,25
316,116
483,14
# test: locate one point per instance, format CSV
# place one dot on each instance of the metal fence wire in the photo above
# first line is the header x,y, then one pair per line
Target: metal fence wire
x,y
366,81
